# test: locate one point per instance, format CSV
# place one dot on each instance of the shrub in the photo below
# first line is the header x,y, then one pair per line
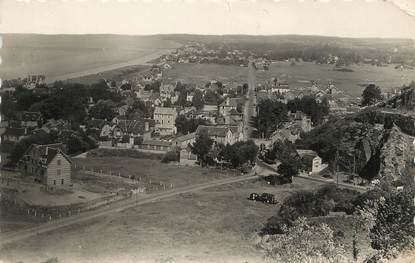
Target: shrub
x,y
171,156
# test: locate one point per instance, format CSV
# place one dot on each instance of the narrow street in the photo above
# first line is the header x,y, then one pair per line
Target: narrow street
x,y
250,104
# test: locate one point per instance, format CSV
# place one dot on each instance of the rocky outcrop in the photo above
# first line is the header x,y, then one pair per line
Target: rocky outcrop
x,y
394,156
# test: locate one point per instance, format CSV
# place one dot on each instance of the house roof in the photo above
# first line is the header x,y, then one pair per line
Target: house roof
x,y
157,142
219,131
46,152
186,137
165,110
134,126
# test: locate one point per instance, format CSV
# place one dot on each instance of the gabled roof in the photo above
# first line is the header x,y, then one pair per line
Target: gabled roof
x,y
135,126
186,137
46,152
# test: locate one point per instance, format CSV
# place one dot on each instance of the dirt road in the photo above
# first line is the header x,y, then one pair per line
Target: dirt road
x,y
113,208
250,102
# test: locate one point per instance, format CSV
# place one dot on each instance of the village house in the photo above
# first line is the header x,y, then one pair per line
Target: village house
x,y
48,164
221,134
165,119
185,140
155,145
189,96
228,105
313,161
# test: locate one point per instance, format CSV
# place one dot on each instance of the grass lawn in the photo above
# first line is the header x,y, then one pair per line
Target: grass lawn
x,y
213,225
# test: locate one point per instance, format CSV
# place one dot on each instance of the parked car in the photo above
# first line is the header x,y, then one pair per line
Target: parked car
x,y
254,197
268,198
265,198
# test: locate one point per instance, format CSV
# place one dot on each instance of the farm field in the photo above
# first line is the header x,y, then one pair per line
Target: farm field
x,y
299,75
196,227
62,57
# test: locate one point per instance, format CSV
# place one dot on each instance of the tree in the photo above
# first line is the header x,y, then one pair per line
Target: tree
x,y
197,100
288,169
371,95
311,107
271,116
394,230
303,242
104,109
201,147
188,125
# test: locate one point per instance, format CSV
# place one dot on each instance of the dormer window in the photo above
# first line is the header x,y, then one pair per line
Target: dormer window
x,y
59,162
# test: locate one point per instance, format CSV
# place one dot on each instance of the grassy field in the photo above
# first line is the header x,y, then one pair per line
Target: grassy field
x,y
58,55
299,75
155,171
214,225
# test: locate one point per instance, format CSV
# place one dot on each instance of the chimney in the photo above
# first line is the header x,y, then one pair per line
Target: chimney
x,y
46,152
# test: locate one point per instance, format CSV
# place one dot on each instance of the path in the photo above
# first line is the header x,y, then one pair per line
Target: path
x,y
250,102
113,208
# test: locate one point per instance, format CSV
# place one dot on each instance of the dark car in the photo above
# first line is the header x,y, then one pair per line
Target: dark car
x,y
268,198
254,197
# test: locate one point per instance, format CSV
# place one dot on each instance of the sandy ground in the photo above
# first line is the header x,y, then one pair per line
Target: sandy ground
x,y
214,225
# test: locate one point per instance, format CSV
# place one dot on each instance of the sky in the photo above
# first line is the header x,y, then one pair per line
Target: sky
x,y
346,18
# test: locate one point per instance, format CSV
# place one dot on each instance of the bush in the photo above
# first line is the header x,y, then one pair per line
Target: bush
x,y
171,156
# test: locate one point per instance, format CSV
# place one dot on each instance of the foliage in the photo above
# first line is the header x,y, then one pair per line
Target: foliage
x,y
319,203
138,107
271,116
197,100
21,147
311,107
171,156
371,95
239,153
211,97
394,230
303,242
284,151
188,125
104,110
288,169
201,147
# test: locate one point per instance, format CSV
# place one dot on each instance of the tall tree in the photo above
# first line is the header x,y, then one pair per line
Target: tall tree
x,y
371,95
201,147
198,99
271,116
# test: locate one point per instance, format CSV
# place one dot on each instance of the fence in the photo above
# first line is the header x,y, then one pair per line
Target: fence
x,y
143,184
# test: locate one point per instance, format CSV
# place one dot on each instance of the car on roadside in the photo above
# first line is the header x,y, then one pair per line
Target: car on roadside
x,y
268,198
254,197
264,197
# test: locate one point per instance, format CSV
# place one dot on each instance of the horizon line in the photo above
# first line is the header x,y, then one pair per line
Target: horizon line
x,y
207,35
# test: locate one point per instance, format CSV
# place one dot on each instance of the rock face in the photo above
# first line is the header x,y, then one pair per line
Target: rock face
x,y
394,155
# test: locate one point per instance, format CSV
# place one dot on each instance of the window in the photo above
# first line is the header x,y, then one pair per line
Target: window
x,y
58,172
59,162
54,182
62,181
